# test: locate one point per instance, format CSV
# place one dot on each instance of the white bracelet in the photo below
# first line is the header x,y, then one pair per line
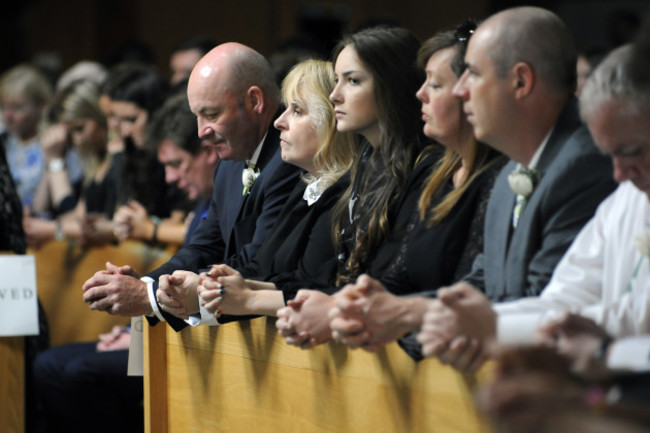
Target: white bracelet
x,y
56,165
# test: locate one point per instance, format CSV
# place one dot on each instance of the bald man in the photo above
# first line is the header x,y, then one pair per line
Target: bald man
x,y
233,94
517,92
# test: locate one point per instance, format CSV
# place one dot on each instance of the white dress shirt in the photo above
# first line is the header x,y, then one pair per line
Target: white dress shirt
x,y
602,276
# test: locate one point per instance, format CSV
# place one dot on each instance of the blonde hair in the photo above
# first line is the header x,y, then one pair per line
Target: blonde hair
x,y
26,80
80,100
311,82
481,157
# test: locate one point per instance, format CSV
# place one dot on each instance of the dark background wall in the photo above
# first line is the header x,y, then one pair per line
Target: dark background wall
x,y
65,31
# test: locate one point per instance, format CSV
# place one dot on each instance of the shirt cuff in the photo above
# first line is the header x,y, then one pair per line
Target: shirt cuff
x,y
152,298
518,329
632,353
203,318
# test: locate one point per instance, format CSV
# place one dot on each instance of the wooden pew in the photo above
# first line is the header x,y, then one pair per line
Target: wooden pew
x,y
242,377
61,270
12,393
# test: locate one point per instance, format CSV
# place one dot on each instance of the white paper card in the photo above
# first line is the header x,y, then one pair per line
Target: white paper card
x,y
18,297
136,355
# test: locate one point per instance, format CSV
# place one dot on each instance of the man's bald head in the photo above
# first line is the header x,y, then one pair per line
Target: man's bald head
x,y
537,37
234,96
237,67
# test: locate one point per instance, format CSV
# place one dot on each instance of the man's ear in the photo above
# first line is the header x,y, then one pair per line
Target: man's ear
x,y
523,78
256,97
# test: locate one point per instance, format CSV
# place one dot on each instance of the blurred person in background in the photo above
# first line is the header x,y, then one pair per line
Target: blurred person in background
x,y
24,94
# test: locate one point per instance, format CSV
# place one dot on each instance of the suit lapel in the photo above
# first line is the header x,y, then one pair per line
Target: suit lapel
x,y
566,124
526,228
269,147
500,223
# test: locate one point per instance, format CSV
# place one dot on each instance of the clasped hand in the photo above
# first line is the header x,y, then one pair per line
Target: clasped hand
x,y
177,293
117,290
304,321
222,290
366,315
132,221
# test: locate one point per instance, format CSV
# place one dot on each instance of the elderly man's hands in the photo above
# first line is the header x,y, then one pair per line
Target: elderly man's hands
x,y
117,290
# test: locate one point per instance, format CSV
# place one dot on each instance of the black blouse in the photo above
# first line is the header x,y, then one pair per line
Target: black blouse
x,y
398,215
431,257
300,250
101,197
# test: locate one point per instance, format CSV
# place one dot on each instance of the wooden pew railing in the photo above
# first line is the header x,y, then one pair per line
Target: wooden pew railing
x,y
61,270
12,393
242,377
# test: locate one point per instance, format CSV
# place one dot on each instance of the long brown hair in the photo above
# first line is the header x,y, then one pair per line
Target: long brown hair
x,y
389,54
480,156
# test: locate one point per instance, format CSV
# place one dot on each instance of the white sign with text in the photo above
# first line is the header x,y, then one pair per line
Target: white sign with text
x,y
18,300
136,352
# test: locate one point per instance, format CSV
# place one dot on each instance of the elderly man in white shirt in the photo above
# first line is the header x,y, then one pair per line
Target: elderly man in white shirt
x,y
605,274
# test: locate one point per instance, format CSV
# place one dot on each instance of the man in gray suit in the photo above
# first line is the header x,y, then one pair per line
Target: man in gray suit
x,y
517,92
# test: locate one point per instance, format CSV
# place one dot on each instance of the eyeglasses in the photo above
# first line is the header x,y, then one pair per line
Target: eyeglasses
x,y
464,31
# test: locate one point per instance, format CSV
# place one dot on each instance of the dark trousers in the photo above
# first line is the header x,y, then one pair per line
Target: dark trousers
x,y
82,390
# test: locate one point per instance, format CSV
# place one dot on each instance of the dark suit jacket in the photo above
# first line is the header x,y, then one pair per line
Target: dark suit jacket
x,y
575,178
236,225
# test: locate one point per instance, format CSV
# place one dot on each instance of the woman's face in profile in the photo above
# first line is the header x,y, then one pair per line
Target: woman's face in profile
x,y
441,110
299,137
132,120
353,96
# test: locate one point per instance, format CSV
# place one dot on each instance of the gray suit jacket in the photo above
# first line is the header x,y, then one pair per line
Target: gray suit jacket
x,y
574,178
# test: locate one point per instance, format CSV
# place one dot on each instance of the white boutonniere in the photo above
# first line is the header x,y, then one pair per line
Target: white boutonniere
x,y
523,181
248,177
643,244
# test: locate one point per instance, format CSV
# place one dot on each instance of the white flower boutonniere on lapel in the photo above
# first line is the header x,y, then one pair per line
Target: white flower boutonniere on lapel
x,y
643,244
523,181
248,177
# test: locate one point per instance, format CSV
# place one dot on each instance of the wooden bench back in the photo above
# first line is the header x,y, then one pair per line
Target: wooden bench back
x,y
242,377
61,270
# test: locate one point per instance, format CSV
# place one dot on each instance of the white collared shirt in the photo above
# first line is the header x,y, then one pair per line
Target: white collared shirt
x,y
602,276
538,153
312,193
256,155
